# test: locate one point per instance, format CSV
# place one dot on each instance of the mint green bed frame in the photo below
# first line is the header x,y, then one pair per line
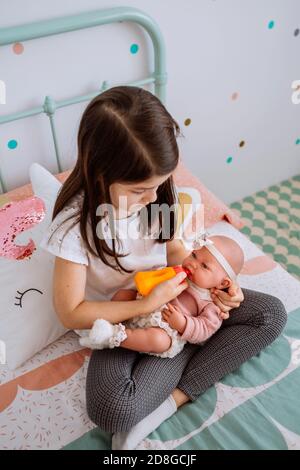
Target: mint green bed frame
x,y
66,24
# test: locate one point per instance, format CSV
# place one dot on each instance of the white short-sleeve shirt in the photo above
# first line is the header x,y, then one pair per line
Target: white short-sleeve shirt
x,y
102,280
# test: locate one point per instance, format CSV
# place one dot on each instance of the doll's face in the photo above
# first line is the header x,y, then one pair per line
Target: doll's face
x,y
205,271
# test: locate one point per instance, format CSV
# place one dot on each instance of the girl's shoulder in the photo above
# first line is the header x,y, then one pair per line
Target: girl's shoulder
x,y
68,216
62,237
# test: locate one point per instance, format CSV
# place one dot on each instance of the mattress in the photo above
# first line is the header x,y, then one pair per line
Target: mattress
x,y
42,404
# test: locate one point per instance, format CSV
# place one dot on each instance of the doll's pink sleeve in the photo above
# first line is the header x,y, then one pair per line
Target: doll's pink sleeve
x,y
202,326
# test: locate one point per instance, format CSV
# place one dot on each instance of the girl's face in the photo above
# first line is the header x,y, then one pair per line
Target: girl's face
x,y
128,198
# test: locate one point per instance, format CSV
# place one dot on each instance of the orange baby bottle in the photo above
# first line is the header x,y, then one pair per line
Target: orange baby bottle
x,y
145,281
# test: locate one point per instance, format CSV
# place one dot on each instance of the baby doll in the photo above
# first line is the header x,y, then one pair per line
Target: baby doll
x,y
192,316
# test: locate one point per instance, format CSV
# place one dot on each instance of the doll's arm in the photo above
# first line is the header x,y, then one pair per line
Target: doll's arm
x,y
204,325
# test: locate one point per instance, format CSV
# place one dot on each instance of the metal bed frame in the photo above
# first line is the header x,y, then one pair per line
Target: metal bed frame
x,y
84,20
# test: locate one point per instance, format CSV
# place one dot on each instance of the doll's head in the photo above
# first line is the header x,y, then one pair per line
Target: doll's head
x,y
216,264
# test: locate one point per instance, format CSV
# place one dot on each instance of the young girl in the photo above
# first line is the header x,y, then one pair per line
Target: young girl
x,y
127,150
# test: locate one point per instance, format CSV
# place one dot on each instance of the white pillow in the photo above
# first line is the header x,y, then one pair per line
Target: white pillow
x,y
28,329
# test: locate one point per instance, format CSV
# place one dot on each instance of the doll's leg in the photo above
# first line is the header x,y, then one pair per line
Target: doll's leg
x,y
146,340
153,339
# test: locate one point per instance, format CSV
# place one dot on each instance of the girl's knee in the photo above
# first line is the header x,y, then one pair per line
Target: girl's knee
x,y
112,421
278,314
111,401
111,414
269,312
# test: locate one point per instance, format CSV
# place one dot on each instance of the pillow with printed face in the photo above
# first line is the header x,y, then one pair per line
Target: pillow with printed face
x,y
28,321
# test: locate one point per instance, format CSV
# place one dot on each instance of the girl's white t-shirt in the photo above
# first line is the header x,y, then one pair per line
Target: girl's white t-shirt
x,y
102,280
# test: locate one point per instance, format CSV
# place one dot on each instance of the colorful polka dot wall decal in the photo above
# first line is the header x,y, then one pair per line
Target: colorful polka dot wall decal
x,y
18,48
271,24
242,143
297,142
187,122
12,144
234,96
296,32
229,160
134,48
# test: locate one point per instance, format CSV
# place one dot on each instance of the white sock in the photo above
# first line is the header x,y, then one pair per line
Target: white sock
x,y
129,440
102,335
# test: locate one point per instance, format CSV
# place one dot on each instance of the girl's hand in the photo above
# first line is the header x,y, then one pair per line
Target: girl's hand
x,y
227,301
164,292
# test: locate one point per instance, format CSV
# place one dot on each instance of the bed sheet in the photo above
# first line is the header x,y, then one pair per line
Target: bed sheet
x,y
42,404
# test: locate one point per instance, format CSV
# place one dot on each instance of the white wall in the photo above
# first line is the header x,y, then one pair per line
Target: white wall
x,y
214,48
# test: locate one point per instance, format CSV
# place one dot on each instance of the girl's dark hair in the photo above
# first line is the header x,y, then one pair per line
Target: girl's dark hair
x,y
126,135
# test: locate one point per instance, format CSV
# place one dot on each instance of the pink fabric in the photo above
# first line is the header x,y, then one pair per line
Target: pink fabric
x,y
202,316
214,209
15,217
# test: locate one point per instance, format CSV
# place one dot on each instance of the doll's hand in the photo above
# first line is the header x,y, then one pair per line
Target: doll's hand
x,y
227,300
174,317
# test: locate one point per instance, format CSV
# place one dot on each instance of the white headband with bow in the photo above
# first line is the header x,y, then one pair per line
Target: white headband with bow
x,y
203,240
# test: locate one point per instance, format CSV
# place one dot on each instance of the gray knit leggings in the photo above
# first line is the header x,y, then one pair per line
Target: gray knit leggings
x,y
124,386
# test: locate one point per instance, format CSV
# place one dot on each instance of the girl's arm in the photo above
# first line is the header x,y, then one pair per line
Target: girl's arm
x,y
75,312
176,252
